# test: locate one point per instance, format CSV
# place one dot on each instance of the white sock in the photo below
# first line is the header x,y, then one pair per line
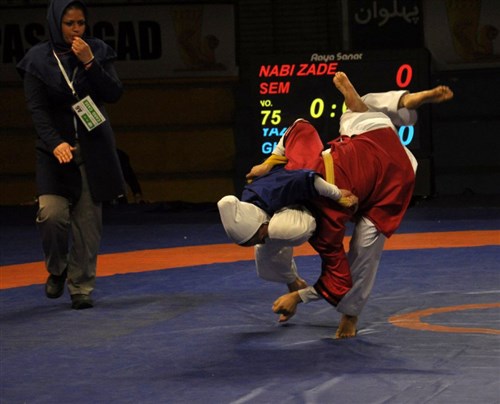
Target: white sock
x,y
326,189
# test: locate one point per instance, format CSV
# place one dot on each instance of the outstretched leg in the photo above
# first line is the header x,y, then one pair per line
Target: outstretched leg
x,y
347,327
433,96
352,98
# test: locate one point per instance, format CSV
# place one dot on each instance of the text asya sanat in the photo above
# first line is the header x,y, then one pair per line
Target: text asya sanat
x,y
291,70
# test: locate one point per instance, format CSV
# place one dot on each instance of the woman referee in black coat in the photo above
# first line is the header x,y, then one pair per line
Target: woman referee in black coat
x,y
77,167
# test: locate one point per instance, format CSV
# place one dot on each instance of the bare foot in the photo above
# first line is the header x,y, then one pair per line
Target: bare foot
x,y
297,284
352,98
434,96
347,327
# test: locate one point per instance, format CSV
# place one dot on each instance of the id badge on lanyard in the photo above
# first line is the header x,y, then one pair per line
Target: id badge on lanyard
x,y
85,109
88,113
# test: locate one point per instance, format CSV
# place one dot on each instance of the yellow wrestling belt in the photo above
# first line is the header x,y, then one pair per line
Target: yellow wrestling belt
x,y
329,171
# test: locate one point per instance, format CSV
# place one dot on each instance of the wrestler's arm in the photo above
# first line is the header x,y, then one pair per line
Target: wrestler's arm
x,y
265,167
286,305
277,157
309,294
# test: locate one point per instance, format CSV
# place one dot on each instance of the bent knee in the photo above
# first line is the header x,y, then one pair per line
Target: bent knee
x,y
53,209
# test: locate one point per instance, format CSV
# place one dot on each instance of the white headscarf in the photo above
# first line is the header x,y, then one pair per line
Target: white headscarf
x,y
241,220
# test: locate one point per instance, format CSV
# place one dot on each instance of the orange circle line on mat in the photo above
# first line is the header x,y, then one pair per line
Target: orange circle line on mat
x,y
31,273
414,321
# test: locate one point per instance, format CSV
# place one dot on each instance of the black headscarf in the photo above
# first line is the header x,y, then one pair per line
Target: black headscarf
x,y
40,61
55,14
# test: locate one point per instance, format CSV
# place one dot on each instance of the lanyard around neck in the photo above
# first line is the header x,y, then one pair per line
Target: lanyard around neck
x,y
65,75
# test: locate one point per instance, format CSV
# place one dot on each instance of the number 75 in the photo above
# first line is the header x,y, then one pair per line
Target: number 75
x,y
275,116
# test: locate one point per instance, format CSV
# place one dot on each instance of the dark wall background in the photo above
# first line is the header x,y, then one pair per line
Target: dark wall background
x,y
465,132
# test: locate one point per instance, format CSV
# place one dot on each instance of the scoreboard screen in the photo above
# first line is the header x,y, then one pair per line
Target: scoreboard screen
x,y
277,90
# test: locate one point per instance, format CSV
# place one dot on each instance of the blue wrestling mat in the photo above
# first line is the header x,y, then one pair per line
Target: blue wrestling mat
x,y
207,334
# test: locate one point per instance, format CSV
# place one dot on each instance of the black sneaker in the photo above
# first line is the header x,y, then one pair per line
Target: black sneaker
x,y
79,302
54,287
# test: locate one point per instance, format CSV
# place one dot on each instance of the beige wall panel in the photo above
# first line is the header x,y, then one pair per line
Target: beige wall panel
x,y
175,152
173,106
17,152
190,190
17,190
13,108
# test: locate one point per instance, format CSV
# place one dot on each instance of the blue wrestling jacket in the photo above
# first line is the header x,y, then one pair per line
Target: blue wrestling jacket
x,y
279,188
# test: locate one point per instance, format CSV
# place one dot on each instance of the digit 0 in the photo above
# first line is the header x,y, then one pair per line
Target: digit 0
x,y
406,139
317,107
404,75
